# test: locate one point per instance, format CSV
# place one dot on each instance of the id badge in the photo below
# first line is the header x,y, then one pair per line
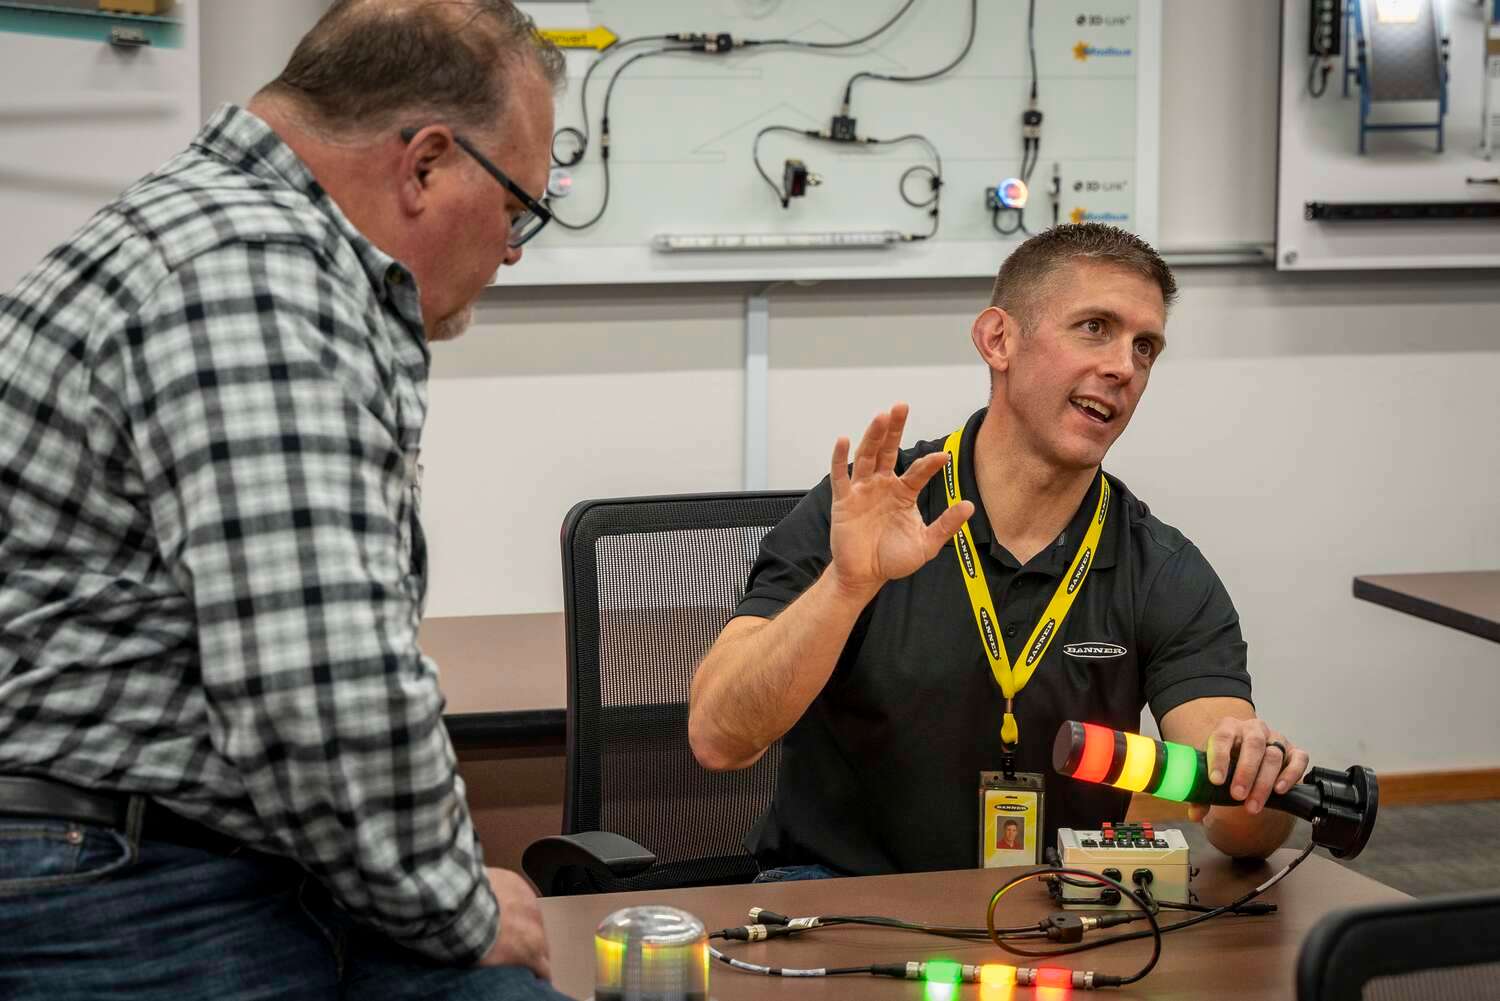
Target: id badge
x,y
1010,819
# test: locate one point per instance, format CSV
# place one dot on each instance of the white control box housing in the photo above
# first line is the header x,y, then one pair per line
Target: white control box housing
x,y
1164,855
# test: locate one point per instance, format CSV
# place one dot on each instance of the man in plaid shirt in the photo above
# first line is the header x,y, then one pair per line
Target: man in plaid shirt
x,y
223,769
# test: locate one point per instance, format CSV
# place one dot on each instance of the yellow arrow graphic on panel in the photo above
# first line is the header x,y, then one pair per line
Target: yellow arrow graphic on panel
x,y
598,37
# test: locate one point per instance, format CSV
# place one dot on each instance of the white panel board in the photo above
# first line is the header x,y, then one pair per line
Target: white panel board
x,y
81,121
682,127
1320,159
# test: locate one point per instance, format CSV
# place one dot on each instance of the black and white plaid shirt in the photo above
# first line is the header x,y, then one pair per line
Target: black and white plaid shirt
x,y
211,567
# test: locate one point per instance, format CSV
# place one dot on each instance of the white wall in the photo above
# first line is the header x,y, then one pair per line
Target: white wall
x,y
1301,429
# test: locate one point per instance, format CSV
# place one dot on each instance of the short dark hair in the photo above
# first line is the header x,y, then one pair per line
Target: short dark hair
x,y
368,65
1012,823
1028,269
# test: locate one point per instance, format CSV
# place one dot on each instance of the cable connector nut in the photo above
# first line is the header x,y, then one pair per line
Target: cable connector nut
x,y
1031,124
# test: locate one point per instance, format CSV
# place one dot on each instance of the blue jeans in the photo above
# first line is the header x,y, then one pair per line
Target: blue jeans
x,y
86,915
790,873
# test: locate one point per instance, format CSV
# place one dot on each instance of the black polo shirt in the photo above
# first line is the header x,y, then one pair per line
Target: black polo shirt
x,y
881,773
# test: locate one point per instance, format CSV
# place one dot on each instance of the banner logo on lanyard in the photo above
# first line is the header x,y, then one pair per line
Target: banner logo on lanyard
x,y
1012,680
1083,571
966,555
1040,646
991,641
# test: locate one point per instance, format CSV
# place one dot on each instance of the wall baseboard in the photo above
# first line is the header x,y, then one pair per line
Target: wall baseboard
x,y
1410,788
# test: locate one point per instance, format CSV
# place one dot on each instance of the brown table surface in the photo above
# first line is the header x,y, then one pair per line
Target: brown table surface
x,y
1468,601
1223,958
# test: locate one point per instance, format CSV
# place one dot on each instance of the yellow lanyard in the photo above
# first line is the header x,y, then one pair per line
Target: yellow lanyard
x,y
1012,680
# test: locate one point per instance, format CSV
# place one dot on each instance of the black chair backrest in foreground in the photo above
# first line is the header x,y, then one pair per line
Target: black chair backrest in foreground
x,y
1441,948
648,583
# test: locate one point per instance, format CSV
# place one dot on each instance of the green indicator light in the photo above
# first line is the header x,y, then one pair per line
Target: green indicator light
x,y
1181,771
944,972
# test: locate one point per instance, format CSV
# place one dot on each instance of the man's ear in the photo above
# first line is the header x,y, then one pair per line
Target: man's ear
x,y
995,333
423,165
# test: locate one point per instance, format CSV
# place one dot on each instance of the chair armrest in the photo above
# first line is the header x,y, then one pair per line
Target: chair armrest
x,y
599,852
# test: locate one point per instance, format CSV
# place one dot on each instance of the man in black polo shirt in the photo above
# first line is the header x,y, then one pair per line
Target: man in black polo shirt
x,y
858,643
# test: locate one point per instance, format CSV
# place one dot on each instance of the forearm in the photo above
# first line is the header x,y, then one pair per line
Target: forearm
x,y
756,681
1237,832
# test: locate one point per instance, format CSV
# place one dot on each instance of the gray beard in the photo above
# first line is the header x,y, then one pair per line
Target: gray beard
x,y
453,325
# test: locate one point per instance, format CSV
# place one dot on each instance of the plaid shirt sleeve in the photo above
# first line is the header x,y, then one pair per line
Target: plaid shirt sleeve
x,y
283,507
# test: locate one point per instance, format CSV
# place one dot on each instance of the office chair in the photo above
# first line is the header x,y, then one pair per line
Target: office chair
x,y
648,583
1435,947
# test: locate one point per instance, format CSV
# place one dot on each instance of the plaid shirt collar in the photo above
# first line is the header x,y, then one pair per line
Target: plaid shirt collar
x,y
247,143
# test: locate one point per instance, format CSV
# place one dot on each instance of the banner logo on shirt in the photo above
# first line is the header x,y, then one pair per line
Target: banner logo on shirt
x,y
990,640
1094,651
965,553
1082,571
1043,636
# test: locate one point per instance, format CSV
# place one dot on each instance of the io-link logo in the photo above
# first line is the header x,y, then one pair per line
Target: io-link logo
x,y
1089,185
1081,214
1102,20
1083,51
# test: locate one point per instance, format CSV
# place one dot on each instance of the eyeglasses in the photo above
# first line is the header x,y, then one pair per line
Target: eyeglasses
x,y
528,223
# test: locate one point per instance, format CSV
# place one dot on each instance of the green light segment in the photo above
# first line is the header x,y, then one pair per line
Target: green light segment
x,y
940,992
944,971
1181,771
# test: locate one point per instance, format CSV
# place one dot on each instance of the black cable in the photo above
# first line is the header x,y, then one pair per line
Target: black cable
x,y
1031,42
779,925
781,971
1019,227
932,176
604,130
1317,87
1213,912
837,45
866,75
781,195
583,99
936,174
1125,893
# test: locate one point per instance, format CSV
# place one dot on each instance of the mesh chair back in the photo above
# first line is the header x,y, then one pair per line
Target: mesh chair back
x,y
1434,947
648,584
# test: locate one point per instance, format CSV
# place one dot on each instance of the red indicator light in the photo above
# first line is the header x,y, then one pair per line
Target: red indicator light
x,y
1047,977
1098,752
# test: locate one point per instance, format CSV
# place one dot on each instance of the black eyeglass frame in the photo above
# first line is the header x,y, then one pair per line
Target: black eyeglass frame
x,y
535,210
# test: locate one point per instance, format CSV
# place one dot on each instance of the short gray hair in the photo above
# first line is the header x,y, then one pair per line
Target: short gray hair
x,y
371,65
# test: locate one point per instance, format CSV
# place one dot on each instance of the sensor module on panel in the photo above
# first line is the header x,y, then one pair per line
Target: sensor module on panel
x,y
1010,193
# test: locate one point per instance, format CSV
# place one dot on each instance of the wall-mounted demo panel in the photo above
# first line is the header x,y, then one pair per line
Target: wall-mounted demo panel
x,y
90,100
1383,156
684,185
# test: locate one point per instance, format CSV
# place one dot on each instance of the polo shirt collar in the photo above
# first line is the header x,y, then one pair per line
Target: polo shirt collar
x,y
1062,550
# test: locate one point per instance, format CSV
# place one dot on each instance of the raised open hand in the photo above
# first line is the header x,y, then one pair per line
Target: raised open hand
x,y
877,532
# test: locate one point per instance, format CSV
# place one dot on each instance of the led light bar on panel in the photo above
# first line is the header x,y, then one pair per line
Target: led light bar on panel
x,y
687,242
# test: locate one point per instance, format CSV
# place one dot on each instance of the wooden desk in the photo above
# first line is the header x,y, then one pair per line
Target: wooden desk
x,y
1225,958
1466,601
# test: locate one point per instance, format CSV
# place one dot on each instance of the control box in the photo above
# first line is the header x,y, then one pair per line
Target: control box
x,y
1118,851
